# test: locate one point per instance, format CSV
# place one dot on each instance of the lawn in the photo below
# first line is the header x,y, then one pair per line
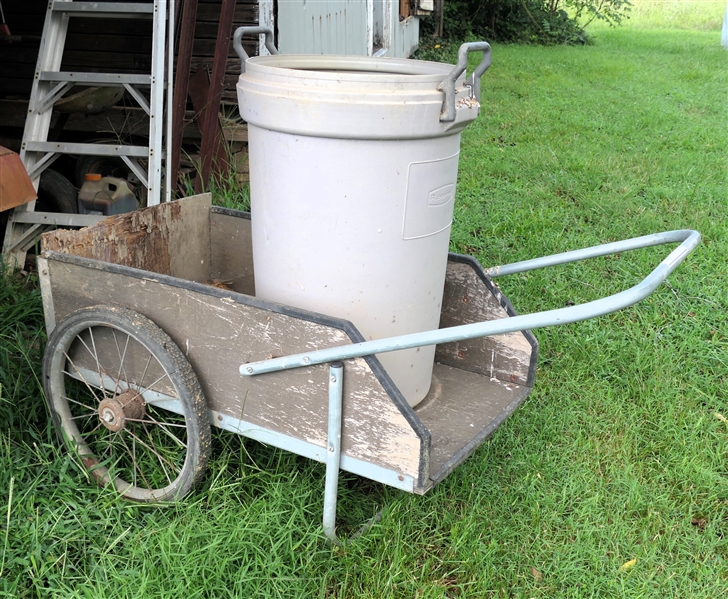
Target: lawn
x,y
610,481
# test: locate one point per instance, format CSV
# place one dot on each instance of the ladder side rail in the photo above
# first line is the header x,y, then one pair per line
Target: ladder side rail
x,y
37,125
156,104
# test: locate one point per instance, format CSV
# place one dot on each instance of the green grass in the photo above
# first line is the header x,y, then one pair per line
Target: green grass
x,y
617,455
698,15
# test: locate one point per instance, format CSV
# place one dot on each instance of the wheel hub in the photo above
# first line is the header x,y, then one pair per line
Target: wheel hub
x,y
115,411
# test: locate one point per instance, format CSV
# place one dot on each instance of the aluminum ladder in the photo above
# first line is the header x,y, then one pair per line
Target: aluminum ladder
x,y
50,84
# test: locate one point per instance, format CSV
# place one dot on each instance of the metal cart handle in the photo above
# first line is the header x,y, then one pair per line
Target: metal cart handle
x,y
448,85
238,44
606,305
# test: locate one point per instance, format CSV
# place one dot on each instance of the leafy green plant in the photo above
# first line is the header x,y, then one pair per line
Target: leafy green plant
x,y
525,21
609,11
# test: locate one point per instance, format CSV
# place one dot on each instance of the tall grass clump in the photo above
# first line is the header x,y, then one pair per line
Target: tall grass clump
x,y
21,343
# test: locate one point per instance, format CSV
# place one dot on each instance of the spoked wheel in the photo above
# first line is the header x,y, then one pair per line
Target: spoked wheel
x,y
125,400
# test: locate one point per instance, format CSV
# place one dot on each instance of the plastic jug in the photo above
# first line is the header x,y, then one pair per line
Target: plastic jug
x,y
105,196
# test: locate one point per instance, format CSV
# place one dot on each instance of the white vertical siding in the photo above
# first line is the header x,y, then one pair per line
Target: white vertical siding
x,y
322,26
354,27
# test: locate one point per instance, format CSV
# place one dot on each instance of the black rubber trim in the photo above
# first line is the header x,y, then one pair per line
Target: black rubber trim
x,y
248,300
505,304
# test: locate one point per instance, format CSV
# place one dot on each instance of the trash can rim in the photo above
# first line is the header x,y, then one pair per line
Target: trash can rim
x,y
348,68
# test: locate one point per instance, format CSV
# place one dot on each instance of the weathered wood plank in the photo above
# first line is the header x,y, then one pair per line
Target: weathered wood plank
x,y
231,251
218,331
467,300
171,238
244,13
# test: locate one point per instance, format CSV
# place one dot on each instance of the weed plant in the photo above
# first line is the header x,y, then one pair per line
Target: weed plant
x,y
610,481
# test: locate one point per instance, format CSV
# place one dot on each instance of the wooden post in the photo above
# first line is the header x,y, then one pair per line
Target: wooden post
x,y
210,128
182,81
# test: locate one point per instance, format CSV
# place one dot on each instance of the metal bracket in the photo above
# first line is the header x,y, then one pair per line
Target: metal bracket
x,y
52,96
137,95
42,164
333,449
140,173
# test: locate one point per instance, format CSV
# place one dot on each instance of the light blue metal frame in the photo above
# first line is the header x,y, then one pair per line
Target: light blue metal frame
x,y
606,305
333,447
688,242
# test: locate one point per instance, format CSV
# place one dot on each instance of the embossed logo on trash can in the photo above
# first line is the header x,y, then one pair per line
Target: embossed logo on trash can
x,y
430,197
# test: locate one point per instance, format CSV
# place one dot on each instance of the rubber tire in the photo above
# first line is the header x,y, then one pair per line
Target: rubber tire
x,y
179,372
56,194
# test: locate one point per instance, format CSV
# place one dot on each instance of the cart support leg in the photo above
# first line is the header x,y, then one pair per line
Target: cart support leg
x,y
333,457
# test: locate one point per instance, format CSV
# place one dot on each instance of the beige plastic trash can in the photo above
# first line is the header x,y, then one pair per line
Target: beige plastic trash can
x,y
353,166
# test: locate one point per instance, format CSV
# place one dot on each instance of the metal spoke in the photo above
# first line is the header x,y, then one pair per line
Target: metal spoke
x,y
136,466
96,357
111,438
112,465
82,415
157,422
93,410
141,381
93,430
82,378
76,378
88,349
161,426
154,383
133,457
154,451
159,457
121,360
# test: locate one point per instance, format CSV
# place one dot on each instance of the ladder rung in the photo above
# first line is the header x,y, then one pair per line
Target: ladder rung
x,y
97,78
56,218
87,149
120,10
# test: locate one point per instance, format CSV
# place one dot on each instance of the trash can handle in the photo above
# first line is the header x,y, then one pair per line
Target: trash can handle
x,y
448,84
257,30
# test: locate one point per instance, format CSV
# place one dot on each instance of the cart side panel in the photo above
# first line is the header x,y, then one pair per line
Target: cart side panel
x,y
172,239
46,295
467,299
231,249
218,330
